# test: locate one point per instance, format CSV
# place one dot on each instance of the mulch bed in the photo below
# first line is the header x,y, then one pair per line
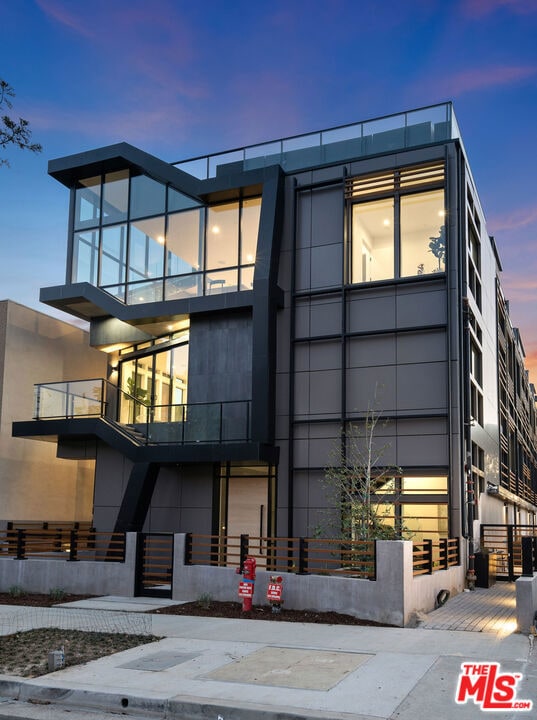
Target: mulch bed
x,y
38,599
219,609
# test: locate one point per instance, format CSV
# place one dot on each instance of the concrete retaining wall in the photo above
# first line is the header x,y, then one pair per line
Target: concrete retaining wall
x,y
393,598
526,602
82,577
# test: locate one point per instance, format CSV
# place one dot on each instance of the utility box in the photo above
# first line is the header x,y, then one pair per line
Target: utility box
x,y
485,568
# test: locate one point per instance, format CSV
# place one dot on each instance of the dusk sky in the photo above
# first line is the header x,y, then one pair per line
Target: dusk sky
x,y
180,79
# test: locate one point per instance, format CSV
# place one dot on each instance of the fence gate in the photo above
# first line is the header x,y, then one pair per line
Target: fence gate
x,y
154,565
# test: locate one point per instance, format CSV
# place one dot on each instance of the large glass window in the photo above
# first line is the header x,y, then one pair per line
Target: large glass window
x,y
423,234
143,241
184,242
158,380
114,255
86,256
372,241
251,212
403,235
115,196
88,202
222,236
148,197
146,249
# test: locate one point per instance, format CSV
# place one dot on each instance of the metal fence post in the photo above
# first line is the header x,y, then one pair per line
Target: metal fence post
x,y
444,552
428,545
510,558
302,556
244,548
188,549
21,544
73,545
527,556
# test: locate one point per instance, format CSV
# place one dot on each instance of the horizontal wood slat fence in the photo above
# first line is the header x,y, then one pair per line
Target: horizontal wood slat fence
x,y
62,543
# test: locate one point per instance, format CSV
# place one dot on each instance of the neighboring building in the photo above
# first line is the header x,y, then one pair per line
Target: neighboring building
x,y
34,483
254,303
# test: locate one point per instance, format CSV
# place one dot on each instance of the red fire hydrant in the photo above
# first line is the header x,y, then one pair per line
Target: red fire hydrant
x,y
246,585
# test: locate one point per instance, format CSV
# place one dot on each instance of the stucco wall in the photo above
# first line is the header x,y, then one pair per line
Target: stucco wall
x,y
84,577
34,483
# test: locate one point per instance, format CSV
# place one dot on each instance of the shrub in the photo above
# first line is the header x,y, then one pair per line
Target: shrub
x,y
57,594
16,591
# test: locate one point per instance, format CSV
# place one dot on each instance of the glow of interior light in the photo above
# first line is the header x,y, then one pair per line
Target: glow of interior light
x,y
170,327
386,222
441,213
215,229
507,627
250,257
160,239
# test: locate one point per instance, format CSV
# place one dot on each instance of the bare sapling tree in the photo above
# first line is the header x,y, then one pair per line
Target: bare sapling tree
x,y
359,486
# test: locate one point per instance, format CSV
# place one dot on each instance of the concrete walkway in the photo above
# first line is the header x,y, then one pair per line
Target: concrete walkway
x,y
483,610
215,669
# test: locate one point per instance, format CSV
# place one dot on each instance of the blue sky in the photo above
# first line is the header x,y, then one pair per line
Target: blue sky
x,y
180,79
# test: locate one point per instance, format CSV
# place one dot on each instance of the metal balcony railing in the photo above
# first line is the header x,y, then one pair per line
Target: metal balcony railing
x,y
189,423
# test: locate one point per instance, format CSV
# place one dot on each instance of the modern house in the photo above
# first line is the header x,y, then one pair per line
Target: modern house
x,y
255,304
36,484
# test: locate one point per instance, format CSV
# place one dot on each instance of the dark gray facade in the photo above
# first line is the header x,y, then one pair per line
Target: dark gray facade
x,y
255,305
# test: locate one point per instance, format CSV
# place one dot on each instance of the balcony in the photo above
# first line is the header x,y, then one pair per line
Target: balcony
x,y
186,424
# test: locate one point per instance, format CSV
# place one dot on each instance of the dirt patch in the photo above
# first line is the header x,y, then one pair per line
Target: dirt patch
x,y
25,654
219,609
39,599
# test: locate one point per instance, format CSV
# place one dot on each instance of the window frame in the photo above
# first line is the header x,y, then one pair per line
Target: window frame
x,y
394,184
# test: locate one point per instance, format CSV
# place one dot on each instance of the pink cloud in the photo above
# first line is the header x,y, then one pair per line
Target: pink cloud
x,y
57,11
482,78
515,220
480,8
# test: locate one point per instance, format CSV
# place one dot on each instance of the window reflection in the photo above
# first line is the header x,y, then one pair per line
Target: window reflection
x,y
114,255
85,256
115,196
184,242
148,197
146,249
88,202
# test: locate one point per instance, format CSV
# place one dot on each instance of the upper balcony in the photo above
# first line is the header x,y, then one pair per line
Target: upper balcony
x,y
98,408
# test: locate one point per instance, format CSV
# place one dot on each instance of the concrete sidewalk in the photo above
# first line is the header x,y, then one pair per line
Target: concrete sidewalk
x,y
210,668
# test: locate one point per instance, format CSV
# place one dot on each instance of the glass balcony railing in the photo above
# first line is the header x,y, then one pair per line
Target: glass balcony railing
x,y
425,126
190,423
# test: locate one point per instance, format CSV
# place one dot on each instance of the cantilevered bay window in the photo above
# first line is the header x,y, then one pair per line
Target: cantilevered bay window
x,y
142,241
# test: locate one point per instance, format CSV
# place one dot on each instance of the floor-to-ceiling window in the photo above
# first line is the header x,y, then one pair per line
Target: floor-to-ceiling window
x,y
154,383
397,223
144,242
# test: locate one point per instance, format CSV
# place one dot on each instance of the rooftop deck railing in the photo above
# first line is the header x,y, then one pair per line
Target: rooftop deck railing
x,y
436,123
220,422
